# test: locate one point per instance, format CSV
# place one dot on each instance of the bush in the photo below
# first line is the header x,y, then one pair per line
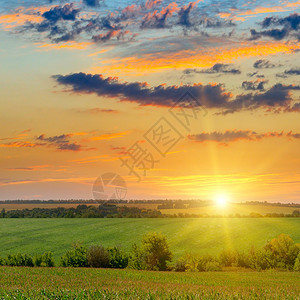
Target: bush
x,y
137,258
212,266
297,263
76,257
208,263
118,259
153,254
228,258
98,257
282,252
44,260
19,260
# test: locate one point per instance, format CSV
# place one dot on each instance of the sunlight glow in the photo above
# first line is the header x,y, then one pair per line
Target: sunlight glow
x,y
221,200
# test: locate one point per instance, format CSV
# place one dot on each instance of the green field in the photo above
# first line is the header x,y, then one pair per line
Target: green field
x,y
202,235
73,283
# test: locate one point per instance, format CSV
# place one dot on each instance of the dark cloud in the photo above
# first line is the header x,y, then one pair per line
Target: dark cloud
x,y
294,71
61,142
208,95
257,85
102,38
184,15
263,64
289,28
217,68
233,136
277,97
92,3
57,13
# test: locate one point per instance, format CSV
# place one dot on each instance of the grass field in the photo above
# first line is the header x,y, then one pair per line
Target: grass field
x,y
73,283
204,235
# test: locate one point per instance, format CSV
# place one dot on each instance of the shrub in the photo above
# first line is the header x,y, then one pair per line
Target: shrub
x,y
228,258
297,263
180,265
207,263
44,260
137,258
76,257
212,266
118,258
98,257
282,251
19,260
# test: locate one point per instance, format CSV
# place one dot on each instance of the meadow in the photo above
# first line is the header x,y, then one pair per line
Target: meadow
x,y
197,235
81,283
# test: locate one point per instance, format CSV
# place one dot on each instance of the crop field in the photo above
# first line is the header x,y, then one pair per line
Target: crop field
x,y
200,235
75,283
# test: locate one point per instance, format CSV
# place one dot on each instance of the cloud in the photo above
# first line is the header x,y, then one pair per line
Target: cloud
x,y
92,3
278,97
61,142
257,85
293,71
152,3
97,110
229,136
289,28
184,15
118,34
57,13
25,144
210,95
263,64
109,136
216,68
158,20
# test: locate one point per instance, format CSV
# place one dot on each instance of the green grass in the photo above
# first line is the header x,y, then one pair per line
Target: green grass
x,y
204,235
74,283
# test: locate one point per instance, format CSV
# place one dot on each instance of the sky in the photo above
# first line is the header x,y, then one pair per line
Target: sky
x,y
182,100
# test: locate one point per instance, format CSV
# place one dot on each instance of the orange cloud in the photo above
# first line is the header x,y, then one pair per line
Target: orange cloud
x,y
25,144
193,58
109,136
21,16
69,46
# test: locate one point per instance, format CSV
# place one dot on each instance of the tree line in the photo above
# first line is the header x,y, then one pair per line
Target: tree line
x,y
113,211
154,254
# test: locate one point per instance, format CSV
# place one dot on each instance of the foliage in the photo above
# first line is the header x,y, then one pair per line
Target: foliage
x,y
118,258
98,257
76,257
19,260
44,260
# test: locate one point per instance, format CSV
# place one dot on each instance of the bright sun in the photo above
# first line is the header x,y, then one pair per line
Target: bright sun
x,y
221,200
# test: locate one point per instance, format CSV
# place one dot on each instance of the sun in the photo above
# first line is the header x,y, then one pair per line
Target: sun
x,y
221,200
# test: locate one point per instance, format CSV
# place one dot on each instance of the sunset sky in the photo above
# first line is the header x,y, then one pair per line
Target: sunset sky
x,y
84,82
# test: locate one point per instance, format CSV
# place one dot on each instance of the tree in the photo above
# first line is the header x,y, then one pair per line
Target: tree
x,y
156,251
